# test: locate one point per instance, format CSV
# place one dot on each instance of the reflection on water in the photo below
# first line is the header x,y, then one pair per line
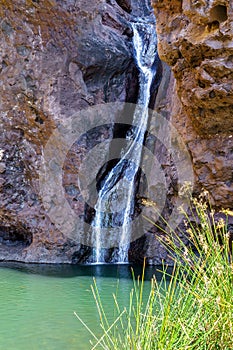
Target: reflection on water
x,y
118,271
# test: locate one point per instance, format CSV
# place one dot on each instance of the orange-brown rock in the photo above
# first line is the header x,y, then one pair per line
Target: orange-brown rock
x,y
195,38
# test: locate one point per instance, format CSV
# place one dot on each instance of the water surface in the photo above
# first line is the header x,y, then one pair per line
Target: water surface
x,y
37,303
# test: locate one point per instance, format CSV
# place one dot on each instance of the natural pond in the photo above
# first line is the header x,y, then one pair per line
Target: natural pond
x,y
37,303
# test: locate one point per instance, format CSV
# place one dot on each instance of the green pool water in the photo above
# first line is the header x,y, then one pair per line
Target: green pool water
x,y
37,303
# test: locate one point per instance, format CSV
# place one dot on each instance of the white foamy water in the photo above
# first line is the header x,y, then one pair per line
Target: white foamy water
x,y
145,45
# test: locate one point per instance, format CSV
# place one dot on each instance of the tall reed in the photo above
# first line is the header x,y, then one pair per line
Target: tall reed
x,y
193,309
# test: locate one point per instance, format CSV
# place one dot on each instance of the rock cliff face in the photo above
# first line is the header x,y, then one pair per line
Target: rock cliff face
x,y
57,57
195,39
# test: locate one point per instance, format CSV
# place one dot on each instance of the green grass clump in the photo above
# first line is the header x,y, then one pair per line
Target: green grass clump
x,y
193,309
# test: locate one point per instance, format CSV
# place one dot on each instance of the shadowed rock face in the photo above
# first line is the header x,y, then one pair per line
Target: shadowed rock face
x,y
195,39
57,57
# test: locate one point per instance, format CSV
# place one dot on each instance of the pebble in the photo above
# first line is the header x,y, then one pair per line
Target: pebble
x,y
2,167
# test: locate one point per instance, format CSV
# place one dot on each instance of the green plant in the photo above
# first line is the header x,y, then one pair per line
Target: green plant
x,y
190,310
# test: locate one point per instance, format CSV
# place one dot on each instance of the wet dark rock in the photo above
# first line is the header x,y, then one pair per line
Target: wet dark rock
x,y
125,4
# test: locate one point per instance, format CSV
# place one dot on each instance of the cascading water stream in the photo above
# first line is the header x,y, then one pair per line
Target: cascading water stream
x,y
145,45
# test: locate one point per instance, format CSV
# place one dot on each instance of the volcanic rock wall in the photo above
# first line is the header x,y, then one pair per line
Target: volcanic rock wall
x,y
195,39
57,57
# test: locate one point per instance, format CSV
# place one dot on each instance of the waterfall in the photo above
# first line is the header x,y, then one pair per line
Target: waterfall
x,y
145,45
